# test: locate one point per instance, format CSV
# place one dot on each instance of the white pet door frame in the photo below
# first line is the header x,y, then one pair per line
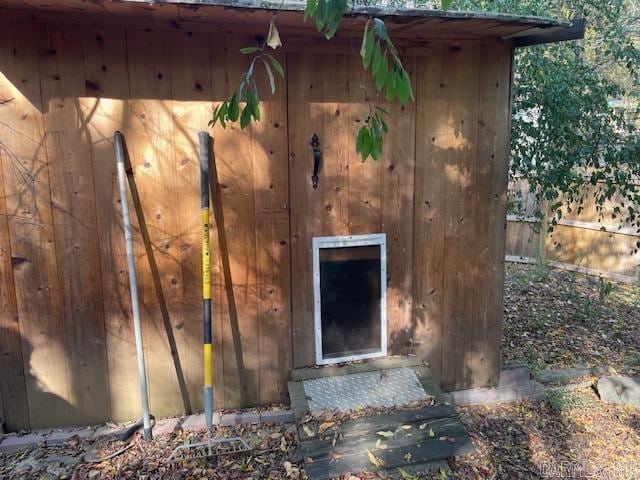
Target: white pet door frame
x,y
350,271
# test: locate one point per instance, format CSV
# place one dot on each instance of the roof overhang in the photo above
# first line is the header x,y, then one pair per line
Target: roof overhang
x,y
252,15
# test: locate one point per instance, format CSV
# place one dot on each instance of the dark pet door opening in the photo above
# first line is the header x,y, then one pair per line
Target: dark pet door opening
x,y
350,303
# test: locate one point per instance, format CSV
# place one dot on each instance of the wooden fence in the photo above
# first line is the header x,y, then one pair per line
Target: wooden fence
x,y
587,242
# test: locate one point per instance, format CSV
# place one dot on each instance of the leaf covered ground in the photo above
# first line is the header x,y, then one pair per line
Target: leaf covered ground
x,y
149,460
566,435
556,319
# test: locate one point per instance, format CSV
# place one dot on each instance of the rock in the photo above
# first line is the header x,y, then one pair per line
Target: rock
x,y
562,376
622,390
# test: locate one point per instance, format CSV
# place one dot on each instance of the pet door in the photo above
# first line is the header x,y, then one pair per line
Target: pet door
x,y
350,314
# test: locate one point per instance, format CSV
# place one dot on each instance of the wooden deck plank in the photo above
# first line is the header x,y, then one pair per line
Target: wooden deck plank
x,y
366,425
393,457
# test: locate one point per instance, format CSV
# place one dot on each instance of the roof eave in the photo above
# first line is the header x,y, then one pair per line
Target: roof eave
x,y
574,32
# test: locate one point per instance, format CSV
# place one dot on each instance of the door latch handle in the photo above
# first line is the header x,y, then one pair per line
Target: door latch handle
x,y
317,155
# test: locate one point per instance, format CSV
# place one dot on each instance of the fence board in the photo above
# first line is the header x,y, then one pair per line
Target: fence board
x,y
589,241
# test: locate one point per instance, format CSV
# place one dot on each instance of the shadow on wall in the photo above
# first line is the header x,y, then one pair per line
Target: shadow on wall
x,y
43,405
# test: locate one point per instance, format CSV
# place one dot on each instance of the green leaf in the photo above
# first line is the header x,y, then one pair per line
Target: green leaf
x,y
273,38
245,118
391,85
233,109
407,79
376,147
223,113
335,10
272,81
320,14
253,105
382,73
363,143
249,50
369,42
310,9
445,4
363,47
276,64
377,58
403,86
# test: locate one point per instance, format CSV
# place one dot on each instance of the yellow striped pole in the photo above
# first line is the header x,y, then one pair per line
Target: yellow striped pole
x,y
207,351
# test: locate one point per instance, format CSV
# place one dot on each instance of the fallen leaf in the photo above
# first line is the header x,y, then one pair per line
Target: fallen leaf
x,y
385,433
325,426
333,456
377,462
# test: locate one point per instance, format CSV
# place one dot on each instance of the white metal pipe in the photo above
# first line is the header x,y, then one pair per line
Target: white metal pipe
x,y
133,285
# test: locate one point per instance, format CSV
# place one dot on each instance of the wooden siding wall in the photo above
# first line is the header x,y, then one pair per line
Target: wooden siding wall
x,y
66,338
439,193
460,204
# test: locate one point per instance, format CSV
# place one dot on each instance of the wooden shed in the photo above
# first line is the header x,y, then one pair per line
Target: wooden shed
x,y
393,257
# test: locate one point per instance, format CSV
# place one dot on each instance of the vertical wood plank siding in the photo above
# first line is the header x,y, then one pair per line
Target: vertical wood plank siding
x,y
67,354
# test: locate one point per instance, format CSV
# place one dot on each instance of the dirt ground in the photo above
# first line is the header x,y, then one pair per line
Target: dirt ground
x,y
552,319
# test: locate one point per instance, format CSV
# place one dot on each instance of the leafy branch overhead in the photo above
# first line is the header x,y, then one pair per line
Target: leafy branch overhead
x,y
379,57
247,91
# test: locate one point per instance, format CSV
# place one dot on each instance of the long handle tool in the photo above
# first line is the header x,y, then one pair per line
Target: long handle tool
x,y
220,446
133,284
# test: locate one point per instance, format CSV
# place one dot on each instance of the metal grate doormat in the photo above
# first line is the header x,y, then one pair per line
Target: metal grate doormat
x,y
381,388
